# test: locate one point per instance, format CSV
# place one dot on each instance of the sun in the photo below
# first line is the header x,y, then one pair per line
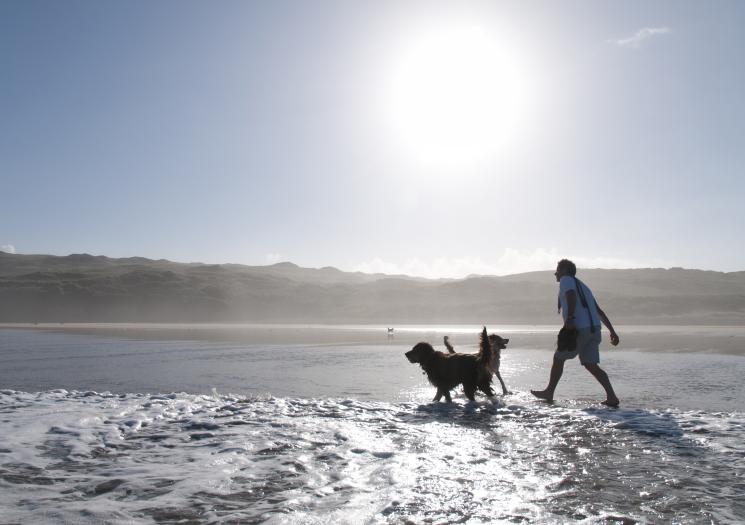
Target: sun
x,y
456,96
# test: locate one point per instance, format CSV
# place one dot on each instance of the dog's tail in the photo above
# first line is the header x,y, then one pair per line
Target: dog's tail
x,y
485,349
450,348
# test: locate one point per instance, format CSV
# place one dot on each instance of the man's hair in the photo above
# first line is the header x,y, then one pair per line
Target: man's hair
x,y
567,266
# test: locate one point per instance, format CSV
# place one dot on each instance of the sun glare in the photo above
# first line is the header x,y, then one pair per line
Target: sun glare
x,y
457,97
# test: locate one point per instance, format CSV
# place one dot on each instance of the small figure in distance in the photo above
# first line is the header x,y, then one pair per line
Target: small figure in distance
x,y
582,313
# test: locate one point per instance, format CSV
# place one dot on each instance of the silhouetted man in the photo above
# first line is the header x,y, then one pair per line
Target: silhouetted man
x,y
581,312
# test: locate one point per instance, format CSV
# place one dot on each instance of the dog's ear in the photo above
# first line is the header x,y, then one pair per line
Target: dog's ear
x,y
485,345
485,352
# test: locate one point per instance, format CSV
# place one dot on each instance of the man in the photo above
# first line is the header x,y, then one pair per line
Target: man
x,y
580,312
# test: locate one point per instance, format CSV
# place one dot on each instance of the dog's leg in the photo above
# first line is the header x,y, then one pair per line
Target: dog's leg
x,y
443,392
484,380
469,390
484,384
504,387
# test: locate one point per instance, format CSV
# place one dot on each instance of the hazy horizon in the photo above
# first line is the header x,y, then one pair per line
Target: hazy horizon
x,y
432,139
373,272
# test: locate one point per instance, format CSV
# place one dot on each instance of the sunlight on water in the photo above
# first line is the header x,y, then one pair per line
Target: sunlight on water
x,y
347,434
192,457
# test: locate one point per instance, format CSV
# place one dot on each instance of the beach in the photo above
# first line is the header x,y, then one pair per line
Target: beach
x,y
727,339
129,424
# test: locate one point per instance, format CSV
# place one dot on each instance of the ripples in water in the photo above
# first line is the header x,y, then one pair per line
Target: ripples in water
x,y
180,458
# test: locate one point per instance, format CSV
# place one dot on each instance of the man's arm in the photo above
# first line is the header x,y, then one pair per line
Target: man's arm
x,y
604,318
571,296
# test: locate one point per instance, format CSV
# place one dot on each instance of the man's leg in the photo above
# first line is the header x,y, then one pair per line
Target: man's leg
x,y
603,379
557,368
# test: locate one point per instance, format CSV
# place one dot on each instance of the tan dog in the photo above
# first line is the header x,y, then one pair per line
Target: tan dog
x,y
497,344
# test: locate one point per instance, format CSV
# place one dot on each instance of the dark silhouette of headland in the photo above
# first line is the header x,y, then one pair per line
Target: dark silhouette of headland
x,y
87,288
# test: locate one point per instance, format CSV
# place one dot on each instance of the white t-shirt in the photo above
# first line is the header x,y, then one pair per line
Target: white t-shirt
x,y
581,316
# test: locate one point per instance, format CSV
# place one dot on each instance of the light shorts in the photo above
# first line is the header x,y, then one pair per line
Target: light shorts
x,y
588,347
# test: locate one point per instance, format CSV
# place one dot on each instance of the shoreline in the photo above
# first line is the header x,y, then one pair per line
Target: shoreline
x,y
725,339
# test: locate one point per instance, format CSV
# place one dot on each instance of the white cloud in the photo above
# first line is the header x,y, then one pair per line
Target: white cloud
x,y
635,41
273,258
7,248
510,262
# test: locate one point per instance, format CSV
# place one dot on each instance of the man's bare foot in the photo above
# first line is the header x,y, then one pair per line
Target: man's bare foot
x,y
613,403
543,394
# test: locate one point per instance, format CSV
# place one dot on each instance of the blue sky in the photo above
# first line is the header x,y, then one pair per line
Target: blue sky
x,y
258,132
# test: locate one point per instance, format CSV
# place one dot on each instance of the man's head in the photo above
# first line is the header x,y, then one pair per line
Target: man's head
x,y
565,267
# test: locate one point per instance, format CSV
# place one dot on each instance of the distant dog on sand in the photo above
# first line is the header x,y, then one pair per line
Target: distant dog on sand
x,y
497,344
446,371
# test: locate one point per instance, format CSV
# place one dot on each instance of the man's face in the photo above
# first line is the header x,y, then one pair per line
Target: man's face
x,y
558,274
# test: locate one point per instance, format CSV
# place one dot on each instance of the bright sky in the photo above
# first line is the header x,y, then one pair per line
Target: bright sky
x,y
431,138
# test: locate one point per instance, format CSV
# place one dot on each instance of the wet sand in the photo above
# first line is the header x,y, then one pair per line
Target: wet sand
x,y
711,339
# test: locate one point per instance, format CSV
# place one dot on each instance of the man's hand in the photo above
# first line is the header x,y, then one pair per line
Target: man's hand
x,y
614,338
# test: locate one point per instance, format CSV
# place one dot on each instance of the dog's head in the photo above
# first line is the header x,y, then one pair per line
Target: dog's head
x,y
497,342
497,345
420,352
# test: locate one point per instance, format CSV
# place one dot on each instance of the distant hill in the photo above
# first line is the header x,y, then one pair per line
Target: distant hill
x,y
87,288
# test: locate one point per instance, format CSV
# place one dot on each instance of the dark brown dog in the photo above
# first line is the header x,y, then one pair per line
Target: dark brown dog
x,y
497,344
446,371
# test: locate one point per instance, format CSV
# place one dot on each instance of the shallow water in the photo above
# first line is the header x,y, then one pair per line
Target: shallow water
x,y
347,434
